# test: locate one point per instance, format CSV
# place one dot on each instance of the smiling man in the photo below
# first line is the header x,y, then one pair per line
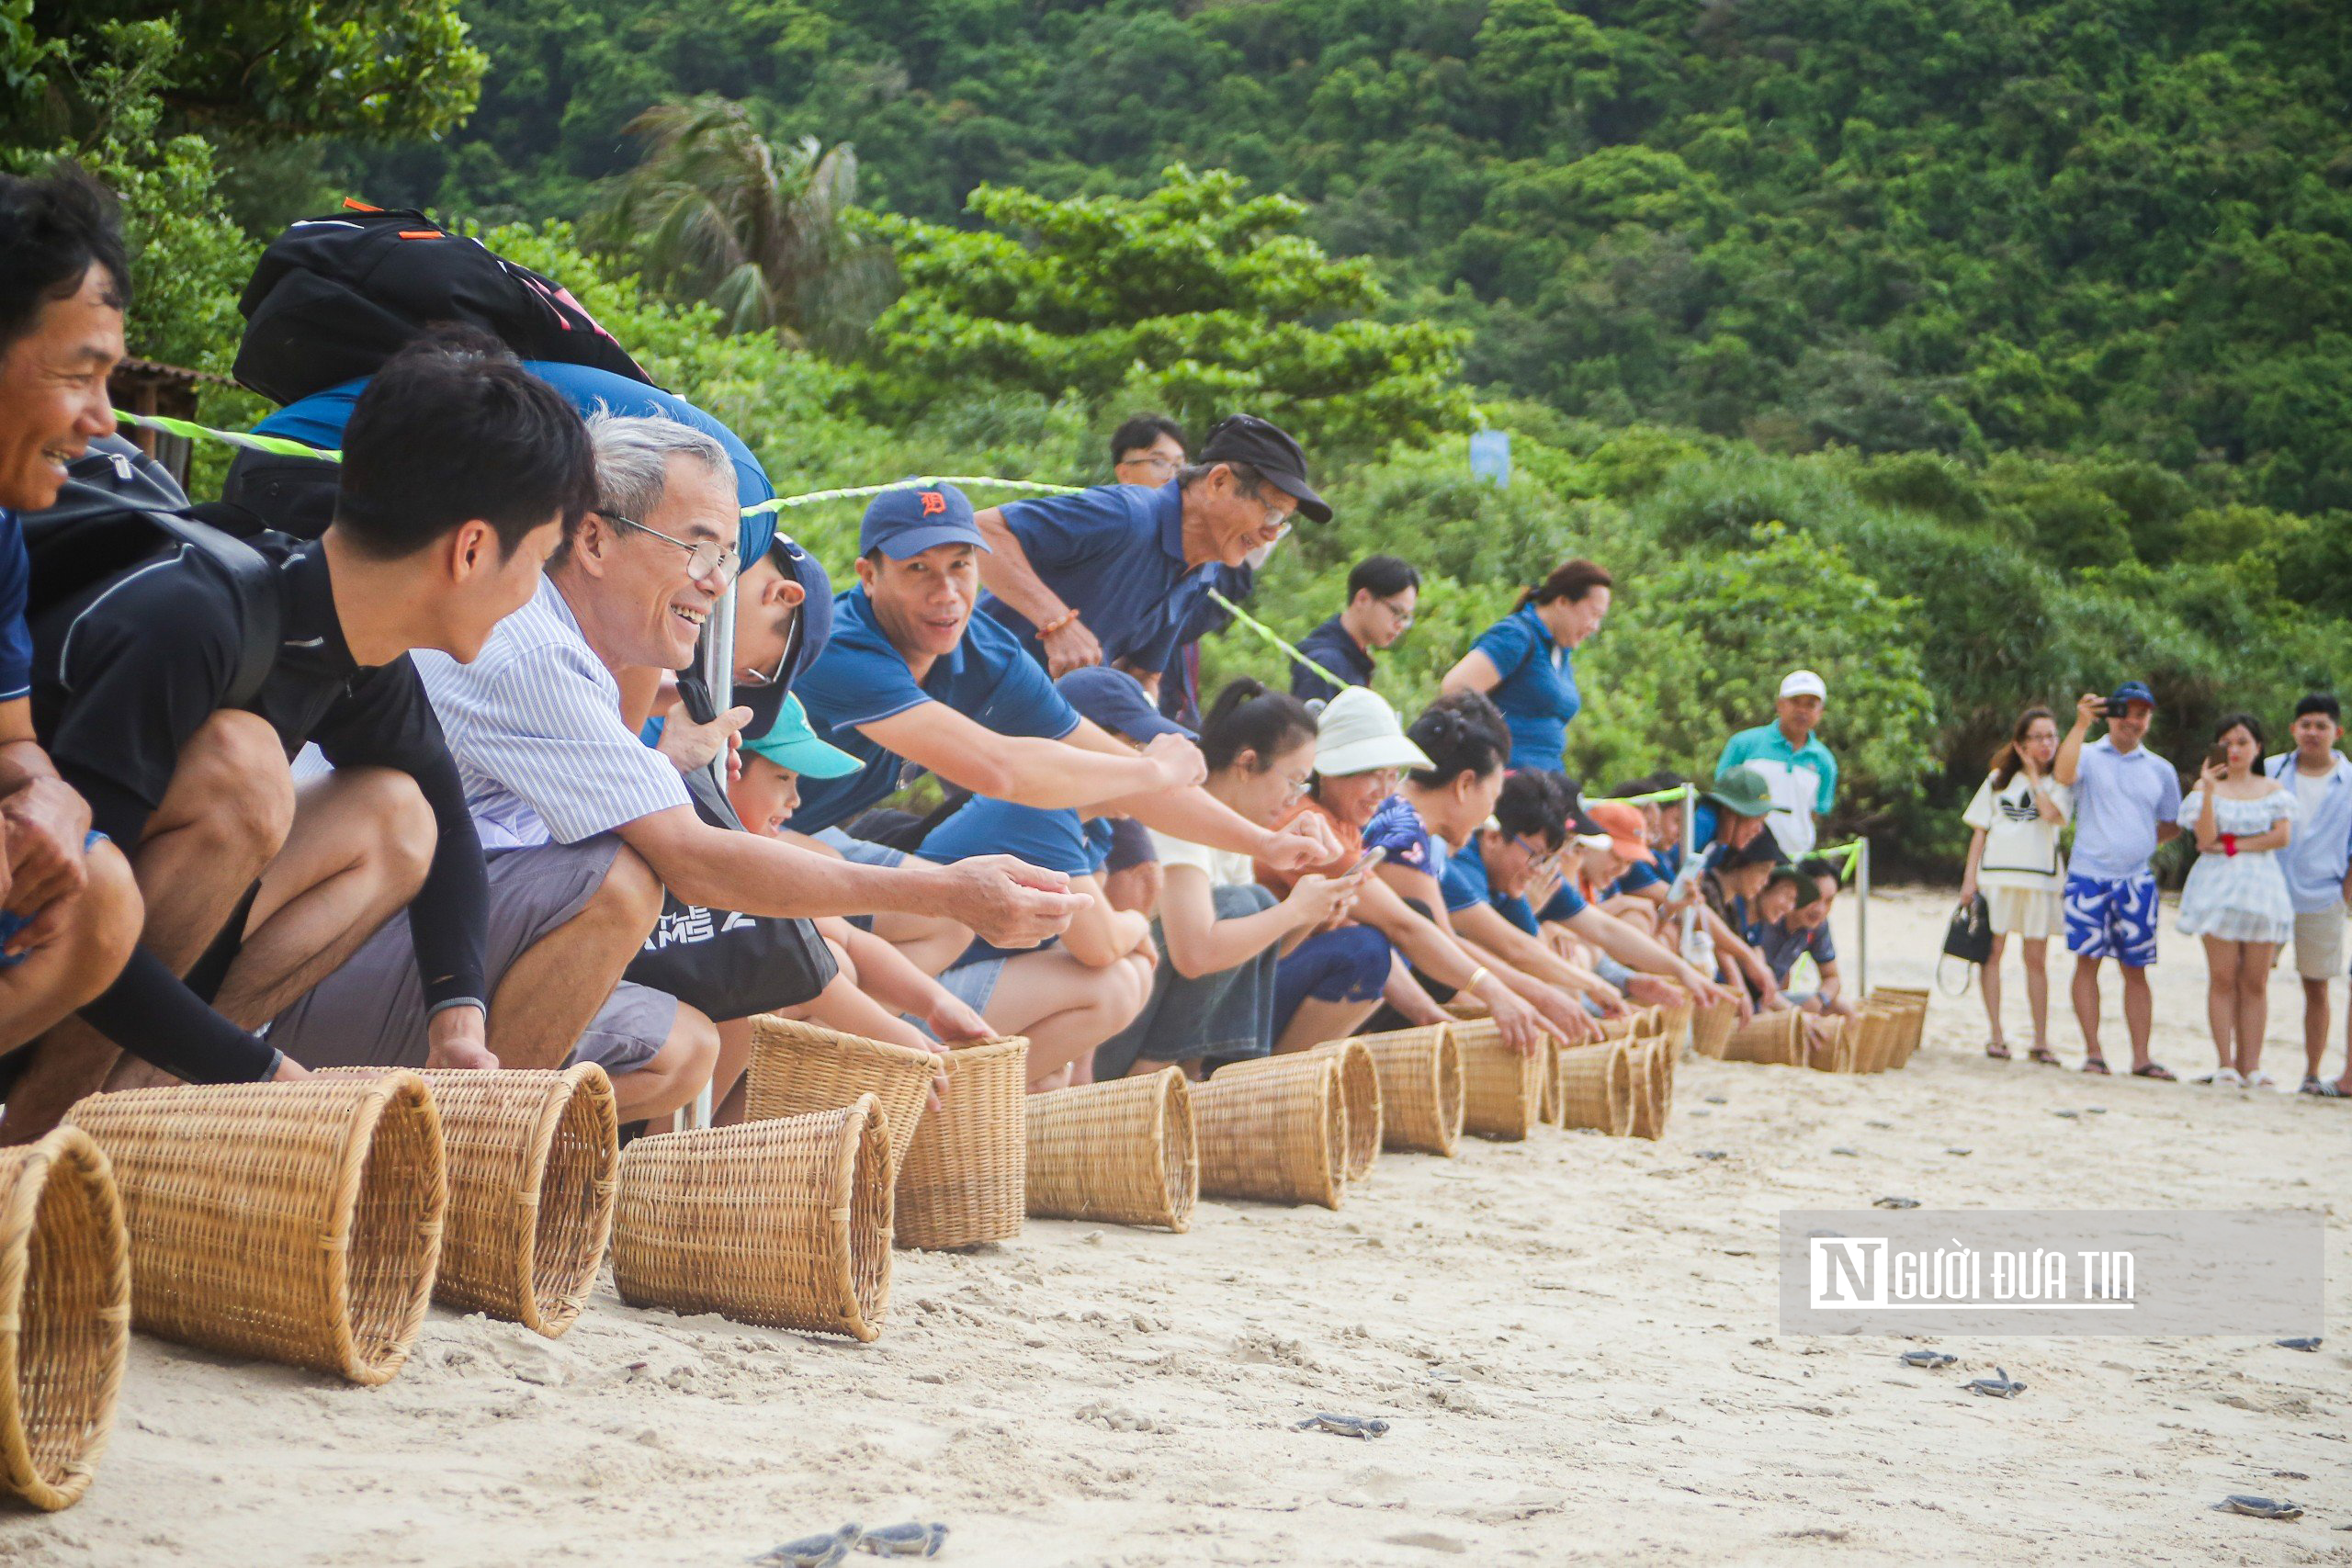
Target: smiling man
x,y
1796,767
69,911
1111,575
459,474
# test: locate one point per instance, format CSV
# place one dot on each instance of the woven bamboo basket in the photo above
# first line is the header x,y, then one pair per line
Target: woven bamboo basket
x,y
1502,1089
1123,1152
1597,1087
296,1221
964,1181
66,1305
1914,1003
1676,1016
1421,1087
1653,1090
1655,1027
1275,1129
530,1157
784,1223
1711,1028
1834,1052
1548,1107
1617,1030
1360,1088
1880,1026
1777,1037
799,1068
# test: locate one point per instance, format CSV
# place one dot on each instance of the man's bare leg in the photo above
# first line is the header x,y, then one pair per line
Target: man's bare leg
x,y
2087,1006
549,995
229,809
362,841
2139,1012
83,958
2315,1020
677,1073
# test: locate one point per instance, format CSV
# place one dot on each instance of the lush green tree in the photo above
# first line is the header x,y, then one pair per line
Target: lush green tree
x,y
716,212
1198,293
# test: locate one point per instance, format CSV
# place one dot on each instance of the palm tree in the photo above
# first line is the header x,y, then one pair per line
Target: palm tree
x,y
718,212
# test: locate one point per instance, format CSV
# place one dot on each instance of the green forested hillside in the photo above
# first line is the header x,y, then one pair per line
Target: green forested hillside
x,y
1953,225
1972,351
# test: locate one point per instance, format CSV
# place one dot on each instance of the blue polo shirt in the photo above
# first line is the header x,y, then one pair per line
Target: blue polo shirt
x,y
1053,838
1330,645
861,678
1537,693
319,420
1465,884
15,638
1638,875
1114,554
2119,799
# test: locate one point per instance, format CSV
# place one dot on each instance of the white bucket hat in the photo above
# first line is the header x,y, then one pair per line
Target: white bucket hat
x,y
1359,732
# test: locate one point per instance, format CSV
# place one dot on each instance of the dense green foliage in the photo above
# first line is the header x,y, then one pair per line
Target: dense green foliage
x,y
1973,352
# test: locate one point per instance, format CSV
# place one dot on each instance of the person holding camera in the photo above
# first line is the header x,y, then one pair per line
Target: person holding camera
x,y
2013,859
2127,802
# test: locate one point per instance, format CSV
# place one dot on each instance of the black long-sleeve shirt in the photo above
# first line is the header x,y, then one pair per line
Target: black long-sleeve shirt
x,y
125,673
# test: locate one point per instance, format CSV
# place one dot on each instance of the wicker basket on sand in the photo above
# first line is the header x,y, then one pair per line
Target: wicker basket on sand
x,y
964,1180
1275,1129
1502,1089
1775,1037
296,1221
1360,1088
1596,1087
1421,1087
799,1068
1122,1152
1711,1028
1653,1086
784,1223
66,1305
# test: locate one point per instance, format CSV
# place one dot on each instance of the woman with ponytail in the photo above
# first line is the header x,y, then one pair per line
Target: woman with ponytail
x,y
1216,997
2014,860
1524,661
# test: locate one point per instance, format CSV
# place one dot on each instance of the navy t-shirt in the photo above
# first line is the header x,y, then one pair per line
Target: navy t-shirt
x,y
1331,649
1466,883
861,678
1781,947
1053,838
15,637
1115,554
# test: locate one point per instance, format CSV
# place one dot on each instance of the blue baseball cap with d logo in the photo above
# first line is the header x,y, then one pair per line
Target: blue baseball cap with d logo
x,y
902,523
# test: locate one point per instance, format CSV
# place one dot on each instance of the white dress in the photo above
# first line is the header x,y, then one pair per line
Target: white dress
x,y
2240,897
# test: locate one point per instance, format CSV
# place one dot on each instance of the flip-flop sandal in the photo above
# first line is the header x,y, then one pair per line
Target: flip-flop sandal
x,y
2096,1066
2156,1070
2046,1055
1997,1051
2322,1089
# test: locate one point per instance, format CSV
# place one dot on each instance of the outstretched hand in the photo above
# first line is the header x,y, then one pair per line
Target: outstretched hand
x,y
1008,902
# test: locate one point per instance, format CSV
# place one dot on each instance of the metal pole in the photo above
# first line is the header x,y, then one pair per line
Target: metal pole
x,y
719,675
1862,921
1690,826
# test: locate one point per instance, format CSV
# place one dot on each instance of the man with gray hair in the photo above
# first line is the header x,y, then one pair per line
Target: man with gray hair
x,y
545,729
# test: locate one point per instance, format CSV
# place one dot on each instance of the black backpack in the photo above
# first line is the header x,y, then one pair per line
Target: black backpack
x,y
120,507
334,297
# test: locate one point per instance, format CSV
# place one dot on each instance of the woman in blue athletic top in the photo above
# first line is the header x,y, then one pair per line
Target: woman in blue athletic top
x,y
1524,662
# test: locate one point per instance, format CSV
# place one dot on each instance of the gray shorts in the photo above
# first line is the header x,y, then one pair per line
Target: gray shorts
x,y
371,1012
860,851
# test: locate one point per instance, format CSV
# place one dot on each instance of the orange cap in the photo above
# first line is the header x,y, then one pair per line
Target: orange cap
x,y
1628,834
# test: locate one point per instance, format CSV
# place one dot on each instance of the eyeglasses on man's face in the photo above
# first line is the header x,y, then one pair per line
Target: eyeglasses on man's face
x,y
705,559
1401,614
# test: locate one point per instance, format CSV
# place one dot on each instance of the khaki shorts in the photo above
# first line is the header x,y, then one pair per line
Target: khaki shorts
x,y
2021,912
2319,944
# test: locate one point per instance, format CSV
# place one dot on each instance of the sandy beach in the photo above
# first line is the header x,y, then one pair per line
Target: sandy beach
x,y
1575,1341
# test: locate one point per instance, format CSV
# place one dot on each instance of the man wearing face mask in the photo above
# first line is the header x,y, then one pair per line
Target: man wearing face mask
x,y
1113,574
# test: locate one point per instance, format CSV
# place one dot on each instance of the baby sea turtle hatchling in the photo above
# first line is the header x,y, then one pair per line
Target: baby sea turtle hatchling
x,y
1710,1153
811,1550
2308,1342
1894,1204
2000,1385
1345,1426
2069,1115
2261,1507
1928,1359
913,1538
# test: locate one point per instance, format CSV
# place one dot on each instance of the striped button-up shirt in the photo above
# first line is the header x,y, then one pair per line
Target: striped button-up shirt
x,y
534,723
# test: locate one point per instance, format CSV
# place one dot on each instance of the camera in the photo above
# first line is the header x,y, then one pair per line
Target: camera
x,y
2118,708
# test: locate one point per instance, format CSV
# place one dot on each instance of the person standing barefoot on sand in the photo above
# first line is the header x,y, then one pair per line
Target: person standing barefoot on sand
x,y
2236,896
2012,858
2127,802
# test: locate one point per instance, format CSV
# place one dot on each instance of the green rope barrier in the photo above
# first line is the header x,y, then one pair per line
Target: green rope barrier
x,y
1655,796
1263,630
187,430
851,492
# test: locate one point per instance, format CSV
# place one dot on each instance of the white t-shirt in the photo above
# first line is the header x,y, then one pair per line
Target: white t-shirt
x,y
2020,849
1225,868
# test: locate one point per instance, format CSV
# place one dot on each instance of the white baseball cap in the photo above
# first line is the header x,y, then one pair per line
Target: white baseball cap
x,y
1805,684
1359,732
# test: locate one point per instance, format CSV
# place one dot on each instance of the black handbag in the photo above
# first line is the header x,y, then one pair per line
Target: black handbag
x,y
1968,938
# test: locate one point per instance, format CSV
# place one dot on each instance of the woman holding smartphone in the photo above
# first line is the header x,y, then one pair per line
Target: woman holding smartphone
x,y
2014,860
2236,896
